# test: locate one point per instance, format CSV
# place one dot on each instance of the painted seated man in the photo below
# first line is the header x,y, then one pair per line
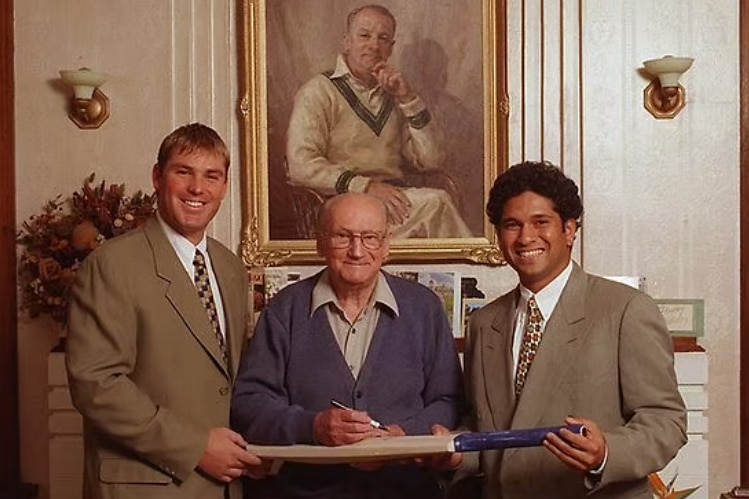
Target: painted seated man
x,y
361,127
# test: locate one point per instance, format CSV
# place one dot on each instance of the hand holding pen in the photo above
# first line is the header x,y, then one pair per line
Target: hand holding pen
x,y
373,423
337,426
392,430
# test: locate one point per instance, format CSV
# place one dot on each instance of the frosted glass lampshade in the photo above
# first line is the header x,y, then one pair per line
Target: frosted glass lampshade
x,y
89,107
668,69
83,81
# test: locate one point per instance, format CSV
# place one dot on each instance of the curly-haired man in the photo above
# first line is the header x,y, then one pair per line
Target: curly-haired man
x,y
567,347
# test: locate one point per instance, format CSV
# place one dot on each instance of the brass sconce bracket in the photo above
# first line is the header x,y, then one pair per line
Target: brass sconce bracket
x,y
664,103
89,113
664,96
88,108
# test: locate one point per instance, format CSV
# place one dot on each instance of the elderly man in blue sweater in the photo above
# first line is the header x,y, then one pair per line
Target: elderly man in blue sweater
x,y
379,344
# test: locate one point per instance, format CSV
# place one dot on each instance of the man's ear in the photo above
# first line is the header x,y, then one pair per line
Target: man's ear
x,y
570,231
156,177
386,244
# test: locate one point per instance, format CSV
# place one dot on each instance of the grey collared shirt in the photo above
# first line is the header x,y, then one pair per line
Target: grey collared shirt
x,y
353,336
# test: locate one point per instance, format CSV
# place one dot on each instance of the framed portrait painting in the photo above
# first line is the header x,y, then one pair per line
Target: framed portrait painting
x,y
452,56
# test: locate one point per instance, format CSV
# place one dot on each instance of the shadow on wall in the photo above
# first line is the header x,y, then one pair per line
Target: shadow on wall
x,y
462,127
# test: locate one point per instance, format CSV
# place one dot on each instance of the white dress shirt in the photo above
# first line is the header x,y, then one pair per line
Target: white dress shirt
x,y
186,253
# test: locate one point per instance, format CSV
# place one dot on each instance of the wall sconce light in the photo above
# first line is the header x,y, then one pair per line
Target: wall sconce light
x,y
664,96
89,107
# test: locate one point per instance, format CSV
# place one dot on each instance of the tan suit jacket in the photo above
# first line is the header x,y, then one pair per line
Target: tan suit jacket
x,y
605,355
145,368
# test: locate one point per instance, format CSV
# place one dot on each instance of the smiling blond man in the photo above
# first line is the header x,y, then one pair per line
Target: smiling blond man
x,y
150,368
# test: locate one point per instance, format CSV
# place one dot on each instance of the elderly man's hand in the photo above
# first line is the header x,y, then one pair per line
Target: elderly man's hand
x,y
335,427
442,462
393,82
397,204
393,430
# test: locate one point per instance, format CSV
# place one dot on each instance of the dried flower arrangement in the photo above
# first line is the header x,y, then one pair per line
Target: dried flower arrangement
x,y
58,239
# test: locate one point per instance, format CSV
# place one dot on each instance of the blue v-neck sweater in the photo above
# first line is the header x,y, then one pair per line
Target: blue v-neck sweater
x,y
293,367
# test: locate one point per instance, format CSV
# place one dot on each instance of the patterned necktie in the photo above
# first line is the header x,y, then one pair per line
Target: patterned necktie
x,y
534,322
203,284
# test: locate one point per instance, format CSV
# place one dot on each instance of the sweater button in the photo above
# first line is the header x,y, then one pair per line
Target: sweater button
x,y
359,394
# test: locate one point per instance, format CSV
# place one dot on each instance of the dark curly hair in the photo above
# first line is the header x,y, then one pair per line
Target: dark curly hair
x,y
544,179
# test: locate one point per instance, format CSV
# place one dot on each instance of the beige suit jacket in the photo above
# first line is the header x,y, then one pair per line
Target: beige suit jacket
x,y
605,355
145,368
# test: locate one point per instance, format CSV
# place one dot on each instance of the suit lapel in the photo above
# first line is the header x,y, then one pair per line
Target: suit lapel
x,y
563,337
181,293
497,362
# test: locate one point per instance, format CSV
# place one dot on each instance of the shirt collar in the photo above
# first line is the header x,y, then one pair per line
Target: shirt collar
x,y
323,294
548,297
343,71
184,248
341,68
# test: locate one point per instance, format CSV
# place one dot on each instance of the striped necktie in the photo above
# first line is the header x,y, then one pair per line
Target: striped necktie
x,y
534,322
203,285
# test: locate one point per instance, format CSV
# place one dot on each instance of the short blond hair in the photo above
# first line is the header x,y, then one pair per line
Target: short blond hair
x,y
190,138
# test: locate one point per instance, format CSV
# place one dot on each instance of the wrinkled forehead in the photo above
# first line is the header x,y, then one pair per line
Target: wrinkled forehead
x,y
372,19
360,214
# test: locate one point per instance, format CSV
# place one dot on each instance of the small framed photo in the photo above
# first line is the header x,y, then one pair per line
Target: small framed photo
x,y
446,285
684,317
277,278
470,305
257,288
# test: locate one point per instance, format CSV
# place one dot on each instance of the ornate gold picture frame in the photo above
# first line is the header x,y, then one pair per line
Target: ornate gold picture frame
x,y
457,63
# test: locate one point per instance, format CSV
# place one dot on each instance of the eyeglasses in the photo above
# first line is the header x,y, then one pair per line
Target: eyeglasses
x,y
340,240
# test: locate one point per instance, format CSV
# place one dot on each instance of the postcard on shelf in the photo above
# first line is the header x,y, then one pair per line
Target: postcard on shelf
x,y
684,317
277,278
470,305
446,285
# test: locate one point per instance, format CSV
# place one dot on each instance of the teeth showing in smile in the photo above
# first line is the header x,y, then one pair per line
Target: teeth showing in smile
x,y
194,204
530,253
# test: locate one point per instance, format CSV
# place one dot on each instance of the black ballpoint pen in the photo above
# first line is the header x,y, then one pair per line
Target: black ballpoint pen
x,y
375,424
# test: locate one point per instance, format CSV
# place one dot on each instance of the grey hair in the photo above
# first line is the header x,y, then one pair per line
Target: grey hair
x,y
378,8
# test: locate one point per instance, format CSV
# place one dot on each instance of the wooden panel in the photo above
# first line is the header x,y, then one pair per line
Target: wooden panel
x,y
9,439
744,240
66,472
